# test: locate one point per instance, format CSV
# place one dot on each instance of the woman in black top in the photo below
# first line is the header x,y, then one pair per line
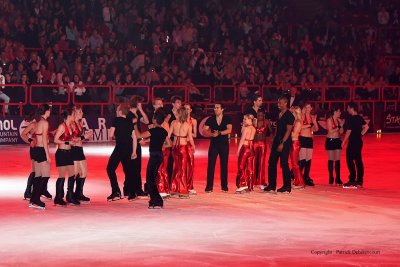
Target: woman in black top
x,y
124,151
157,136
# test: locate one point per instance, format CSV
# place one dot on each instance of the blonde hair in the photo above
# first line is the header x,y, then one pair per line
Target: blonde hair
x,y
183,115
251,117
296,111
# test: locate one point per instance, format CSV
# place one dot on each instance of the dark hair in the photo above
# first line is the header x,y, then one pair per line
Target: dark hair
x,y
66,112
134,100
283,98
255,97
159,115
40,111
353,106
219,103
176,98
332,111
155,99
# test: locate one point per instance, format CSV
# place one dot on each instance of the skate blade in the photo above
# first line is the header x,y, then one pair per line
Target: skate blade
x,y
36,207
114,199
46,198
73,204
155,207
85,202
270,192
350,187
298,187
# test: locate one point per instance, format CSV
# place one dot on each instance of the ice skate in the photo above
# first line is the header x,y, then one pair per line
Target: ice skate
x,y
241,190
115,196
156,205
192,192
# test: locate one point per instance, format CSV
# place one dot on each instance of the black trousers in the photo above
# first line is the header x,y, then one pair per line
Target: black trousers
x,y
121,154
283,156
155,161
221,149
353,155
136,173
170,166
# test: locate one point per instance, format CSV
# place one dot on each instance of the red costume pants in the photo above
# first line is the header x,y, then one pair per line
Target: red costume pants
x,y
294,158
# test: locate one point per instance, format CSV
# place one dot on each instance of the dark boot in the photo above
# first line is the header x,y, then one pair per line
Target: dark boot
x,y
70,191
307,180
29,184
302,164
115,195
337,170
58,200
330,169
45,192
38,183
80,182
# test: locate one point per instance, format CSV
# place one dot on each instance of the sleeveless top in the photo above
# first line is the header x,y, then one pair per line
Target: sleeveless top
x,y
66,136
78,131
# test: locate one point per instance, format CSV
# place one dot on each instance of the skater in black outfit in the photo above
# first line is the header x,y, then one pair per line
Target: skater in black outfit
x,y
218,127
280,149
27,135
157,136
356,128
41,156
124,152
136,115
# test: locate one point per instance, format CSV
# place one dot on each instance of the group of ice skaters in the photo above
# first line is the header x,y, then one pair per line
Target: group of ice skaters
x,y
170,135
293,139
70,159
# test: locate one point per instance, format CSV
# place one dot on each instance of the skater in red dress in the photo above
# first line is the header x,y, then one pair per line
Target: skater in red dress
x,y
182,131
245,176
193,124
263,129
294,152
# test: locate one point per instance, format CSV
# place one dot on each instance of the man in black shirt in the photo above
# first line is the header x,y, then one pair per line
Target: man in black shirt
x,y
356,128
218,127
137,116
257,104
157,136
281,148
124,151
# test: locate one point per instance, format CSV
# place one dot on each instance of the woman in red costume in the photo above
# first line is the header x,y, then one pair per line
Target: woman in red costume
x,y
80,165
182,131
245,176
263,129
294,152
193,124
64,160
